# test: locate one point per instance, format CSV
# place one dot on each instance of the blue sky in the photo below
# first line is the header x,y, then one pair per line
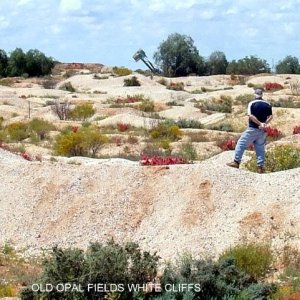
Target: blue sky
x,y
111,31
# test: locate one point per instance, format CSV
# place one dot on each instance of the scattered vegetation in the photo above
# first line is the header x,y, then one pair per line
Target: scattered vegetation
x,y
224,104
121,71
278,158
80,142
176,86
133,81
162,130
67,86
82,112
253,259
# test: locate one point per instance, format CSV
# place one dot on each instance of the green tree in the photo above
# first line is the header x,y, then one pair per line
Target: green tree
x,y
3,63
37,63
248,66
17,63
289,65
178,56
217,63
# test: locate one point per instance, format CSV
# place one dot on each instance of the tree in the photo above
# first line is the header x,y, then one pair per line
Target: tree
x,y
17,63
177,56
289,65
248,66
3,63
37,63
217,63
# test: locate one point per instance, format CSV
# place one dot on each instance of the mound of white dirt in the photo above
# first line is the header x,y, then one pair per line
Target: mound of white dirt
x,y
202,208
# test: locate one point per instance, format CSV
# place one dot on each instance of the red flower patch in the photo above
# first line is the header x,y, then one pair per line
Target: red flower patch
x,y
161,160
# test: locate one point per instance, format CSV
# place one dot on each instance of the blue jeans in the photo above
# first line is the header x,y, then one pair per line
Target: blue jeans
x,y
258,138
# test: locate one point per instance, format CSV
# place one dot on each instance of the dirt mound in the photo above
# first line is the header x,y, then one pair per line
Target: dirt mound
x,y
202,208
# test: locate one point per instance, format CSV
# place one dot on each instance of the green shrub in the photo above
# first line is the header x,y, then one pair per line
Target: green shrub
x,y
176,86
252,259
106,264
17,131
40,127
217,280
82,112
188,151
49,84
224,104
243,99
121,71
67,86
146,105
133,81
226,126
287,103
84,142
189,123
161,131
279,158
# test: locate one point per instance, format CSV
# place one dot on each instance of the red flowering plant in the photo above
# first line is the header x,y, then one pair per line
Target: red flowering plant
x,y
122,127
273,133
296,130
26,156
228,145
273,86
157,160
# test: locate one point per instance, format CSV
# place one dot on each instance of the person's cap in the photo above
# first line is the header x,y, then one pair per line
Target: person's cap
x,y
258,92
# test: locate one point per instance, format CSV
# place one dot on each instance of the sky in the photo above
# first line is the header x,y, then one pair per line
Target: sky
x,y
111,31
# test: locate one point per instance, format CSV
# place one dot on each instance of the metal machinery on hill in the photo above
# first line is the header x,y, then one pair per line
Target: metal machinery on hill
x,y
141,55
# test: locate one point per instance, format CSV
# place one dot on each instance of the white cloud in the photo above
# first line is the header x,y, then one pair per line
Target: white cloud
x,y
23,2
4,23
70,5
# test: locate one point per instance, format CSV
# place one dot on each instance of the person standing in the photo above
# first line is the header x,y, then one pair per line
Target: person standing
x,y
260,114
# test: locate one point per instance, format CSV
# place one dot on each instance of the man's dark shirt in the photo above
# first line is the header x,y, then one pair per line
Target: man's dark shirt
x,y
260,109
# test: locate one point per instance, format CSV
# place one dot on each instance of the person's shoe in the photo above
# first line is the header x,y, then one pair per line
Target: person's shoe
x,y
260,170
234,164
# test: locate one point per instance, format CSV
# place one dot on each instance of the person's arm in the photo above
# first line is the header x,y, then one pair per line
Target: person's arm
x,y
255,120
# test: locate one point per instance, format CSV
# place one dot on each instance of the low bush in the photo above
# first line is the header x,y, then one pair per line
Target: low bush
x,y
161,131
67,86
82,142
226,126
146,105
287,103
272,86
188,152
61,109
253,259
110,264
224,104
17,131
40,127
296,130
161,160
49,83
133,81
82,112
273,133
228,145
216,280
243,99
121,71
122,127
176,86
278,158
189,123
